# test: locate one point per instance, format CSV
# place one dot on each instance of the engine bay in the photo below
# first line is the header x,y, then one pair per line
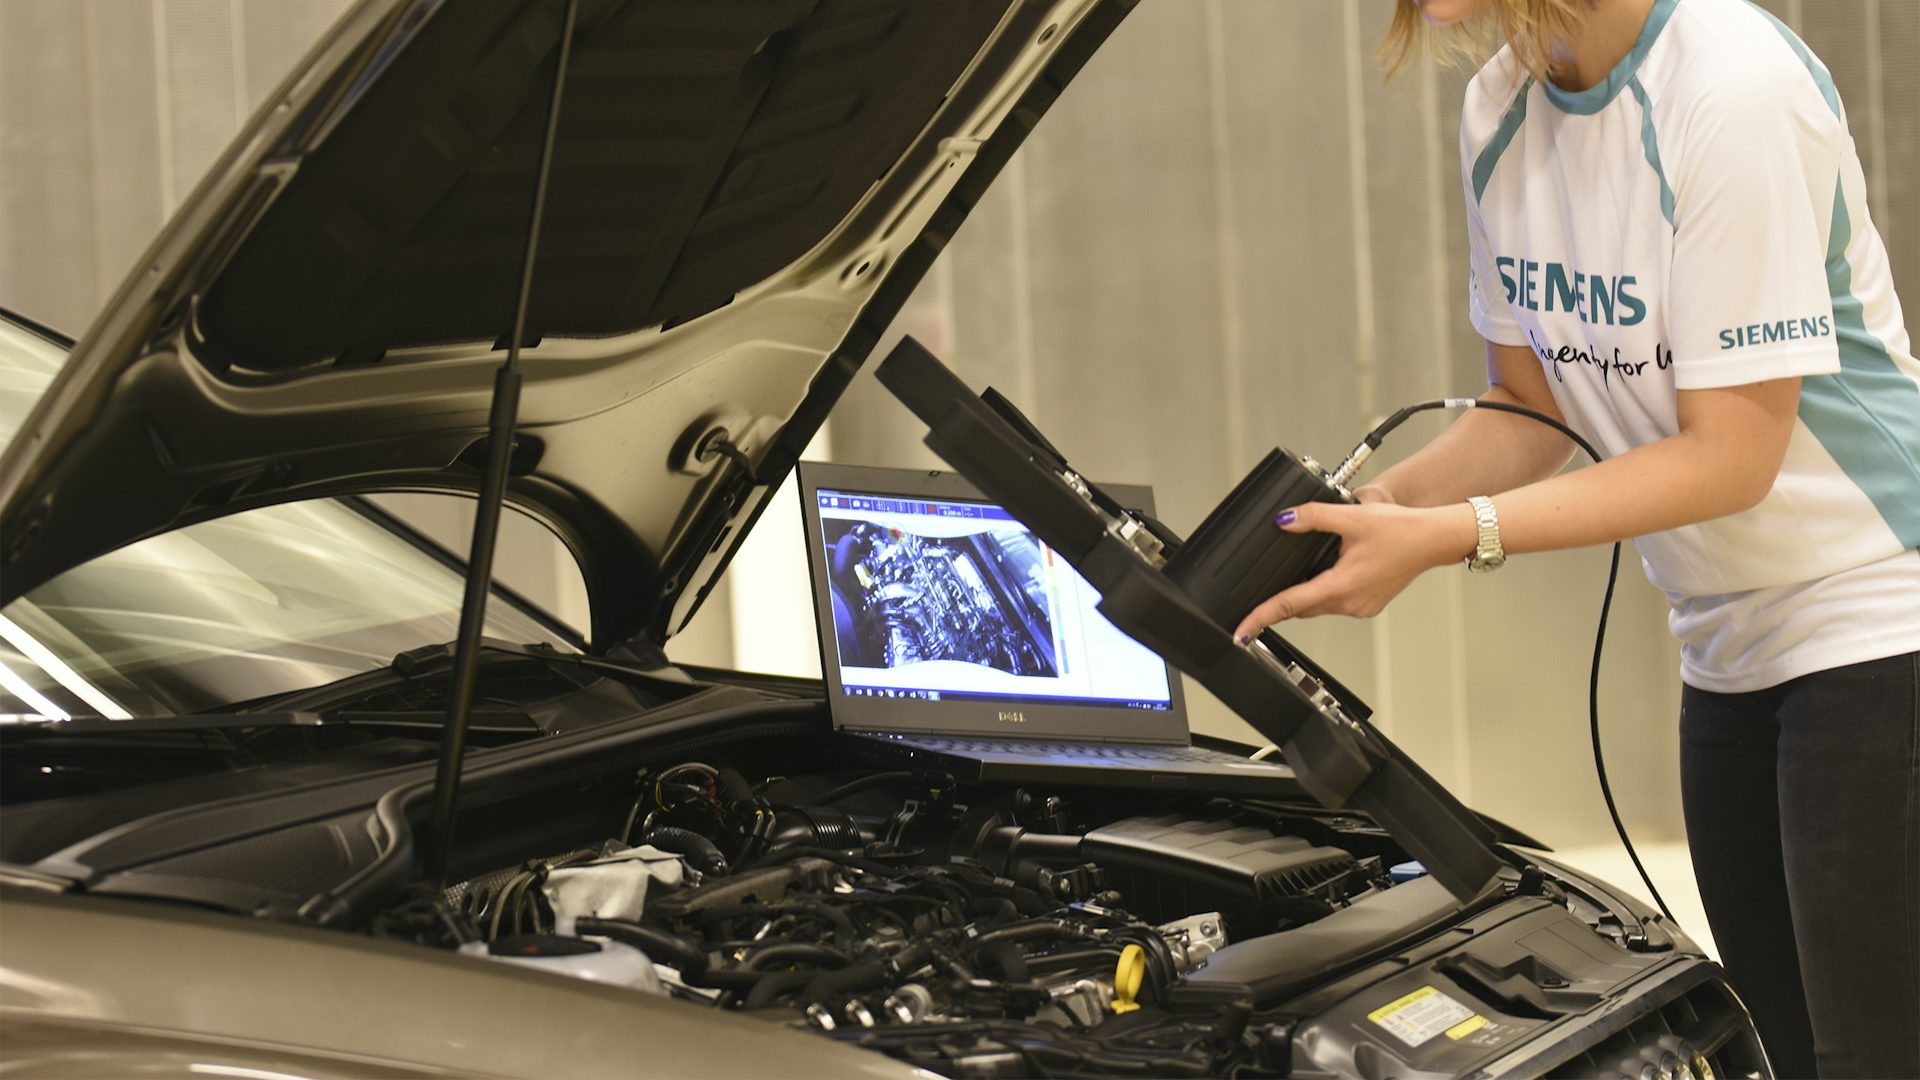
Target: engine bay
x,y
1003,933
749,862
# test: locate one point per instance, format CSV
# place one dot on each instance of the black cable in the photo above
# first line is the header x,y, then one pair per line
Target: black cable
x,y
1372,442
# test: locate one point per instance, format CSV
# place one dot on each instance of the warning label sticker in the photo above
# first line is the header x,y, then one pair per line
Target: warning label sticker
x,y
1426,1012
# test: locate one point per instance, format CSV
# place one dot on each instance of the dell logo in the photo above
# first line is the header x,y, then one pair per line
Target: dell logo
x,y
1013,717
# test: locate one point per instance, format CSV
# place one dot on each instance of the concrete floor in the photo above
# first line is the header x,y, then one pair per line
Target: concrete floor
x,y
1672,872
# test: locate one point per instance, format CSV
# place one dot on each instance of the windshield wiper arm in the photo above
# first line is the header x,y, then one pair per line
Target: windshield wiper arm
x,y
429,659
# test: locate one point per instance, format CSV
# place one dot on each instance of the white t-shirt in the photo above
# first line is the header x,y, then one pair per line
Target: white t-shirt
x,y
1699,220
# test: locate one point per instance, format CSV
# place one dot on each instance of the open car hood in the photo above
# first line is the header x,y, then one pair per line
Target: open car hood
x,y
743,194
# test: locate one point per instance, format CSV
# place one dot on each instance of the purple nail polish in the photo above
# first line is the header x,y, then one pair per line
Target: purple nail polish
x,y
1241,639
1285,518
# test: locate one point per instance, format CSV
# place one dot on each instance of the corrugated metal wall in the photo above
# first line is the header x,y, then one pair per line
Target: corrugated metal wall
x,y
1229,235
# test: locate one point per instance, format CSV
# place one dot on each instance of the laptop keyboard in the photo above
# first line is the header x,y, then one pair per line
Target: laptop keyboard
x,y
1106,751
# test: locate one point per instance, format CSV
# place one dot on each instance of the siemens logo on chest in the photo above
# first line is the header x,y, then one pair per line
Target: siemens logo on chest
x,y
1597,299
1735,337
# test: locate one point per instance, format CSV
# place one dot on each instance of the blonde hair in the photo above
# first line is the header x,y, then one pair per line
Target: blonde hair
x,y
1532,27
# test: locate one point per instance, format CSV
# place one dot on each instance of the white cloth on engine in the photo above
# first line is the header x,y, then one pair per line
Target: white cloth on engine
x,y
614,887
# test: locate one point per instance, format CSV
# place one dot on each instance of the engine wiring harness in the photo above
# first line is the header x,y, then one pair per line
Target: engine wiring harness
x,y
919,931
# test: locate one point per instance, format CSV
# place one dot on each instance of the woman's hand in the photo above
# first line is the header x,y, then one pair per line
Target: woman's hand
x,y
1383,547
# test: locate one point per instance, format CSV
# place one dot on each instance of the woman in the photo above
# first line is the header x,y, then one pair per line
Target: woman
x,y
1671,252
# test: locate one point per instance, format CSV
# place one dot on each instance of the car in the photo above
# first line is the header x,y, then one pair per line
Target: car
x,y
238,835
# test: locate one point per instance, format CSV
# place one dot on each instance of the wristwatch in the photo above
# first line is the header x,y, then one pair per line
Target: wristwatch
x,y
1487,555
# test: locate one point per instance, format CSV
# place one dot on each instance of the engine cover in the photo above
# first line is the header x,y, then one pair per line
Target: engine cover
x,y
1170,865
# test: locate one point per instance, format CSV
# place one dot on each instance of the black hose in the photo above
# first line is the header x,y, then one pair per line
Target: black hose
x,y
1159,956
732,785
865,975
954,966
1036,928
771,985
912,958
844,933
788,952
844,858
999,909
1071,958
669,949
1010,962
726,978
815,826
701,853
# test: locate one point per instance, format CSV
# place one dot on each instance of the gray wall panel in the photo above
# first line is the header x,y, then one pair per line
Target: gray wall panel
x,y
45,157
273,35
123,130
1897,213
989,268
1297,207
198,111
1125,275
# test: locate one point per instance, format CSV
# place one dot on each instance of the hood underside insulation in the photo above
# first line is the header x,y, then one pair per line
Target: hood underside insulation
x,y
702,146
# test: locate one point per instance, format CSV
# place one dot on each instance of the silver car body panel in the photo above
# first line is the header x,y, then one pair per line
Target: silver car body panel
x,y
269,999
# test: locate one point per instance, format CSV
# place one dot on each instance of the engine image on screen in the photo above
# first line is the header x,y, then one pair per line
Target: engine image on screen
x,y
900,598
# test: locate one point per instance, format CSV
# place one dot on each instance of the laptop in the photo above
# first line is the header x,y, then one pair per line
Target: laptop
x,y
952,638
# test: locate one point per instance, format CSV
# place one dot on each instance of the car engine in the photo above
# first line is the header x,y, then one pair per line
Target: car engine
x,y
1020,935
900,598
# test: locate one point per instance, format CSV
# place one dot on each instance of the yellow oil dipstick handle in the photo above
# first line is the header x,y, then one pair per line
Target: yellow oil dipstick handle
x,y
1127,977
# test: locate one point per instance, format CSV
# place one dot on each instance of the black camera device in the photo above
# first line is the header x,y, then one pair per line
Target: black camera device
x,y
1239,557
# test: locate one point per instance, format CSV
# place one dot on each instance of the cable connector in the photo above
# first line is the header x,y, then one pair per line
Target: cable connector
x,y
1348,468
1351,465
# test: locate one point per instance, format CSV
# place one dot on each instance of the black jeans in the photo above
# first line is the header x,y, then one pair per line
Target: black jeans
x,y
1803,814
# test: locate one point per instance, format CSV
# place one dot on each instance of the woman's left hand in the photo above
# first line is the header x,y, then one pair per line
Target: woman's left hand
x,y
1383,547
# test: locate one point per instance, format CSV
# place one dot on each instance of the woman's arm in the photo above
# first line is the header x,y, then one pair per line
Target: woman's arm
x,y
1484,451
1724,460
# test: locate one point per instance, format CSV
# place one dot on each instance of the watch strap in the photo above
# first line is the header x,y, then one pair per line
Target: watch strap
x,y
1487,552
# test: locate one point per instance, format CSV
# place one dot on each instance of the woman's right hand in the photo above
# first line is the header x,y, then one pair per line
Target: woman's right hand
x,y
1383,547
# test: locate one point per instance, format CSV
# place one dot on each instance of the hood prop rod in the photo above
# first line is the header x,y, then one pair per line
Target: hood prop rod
x,y
501,419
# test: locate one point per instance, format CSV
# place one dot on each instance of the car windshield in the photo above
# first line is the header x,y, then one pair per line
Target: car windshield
x,y
260,603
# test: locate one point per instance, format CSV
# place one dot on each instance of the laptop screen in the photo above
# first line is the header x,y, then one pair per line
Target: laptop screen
x,y
933,598
945,597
